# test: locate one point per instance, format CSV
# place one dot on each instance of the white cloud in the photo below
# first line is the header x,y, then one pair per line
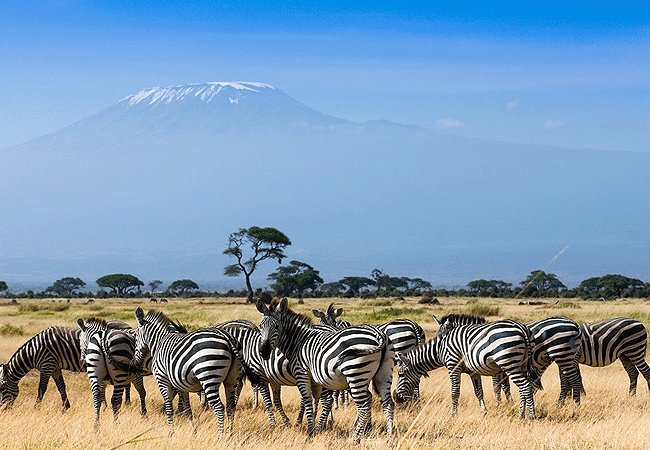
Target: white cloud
x,y
552,124
449,123
513,104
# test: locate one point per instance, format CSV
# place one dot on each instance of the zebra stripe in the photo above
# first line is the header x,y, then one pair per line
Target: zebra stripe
x,y
621,338
555,339
106,351
350,358
50,351
184,363
476,349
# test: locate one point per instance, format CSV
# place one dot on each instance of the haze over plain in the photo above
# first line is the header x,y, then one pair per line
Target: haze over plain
x,y
497,178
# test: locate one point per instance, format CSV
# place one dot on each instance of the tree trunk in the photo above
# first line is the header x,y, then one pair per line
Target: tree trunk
x,y
250,288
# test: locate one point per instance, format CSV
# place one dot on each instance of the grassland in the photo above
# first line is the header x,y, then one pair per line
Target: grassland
x,y
607,419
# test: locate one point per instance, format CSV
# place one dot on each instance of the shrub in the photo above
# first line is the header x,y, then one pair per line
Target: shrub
x,y
11,330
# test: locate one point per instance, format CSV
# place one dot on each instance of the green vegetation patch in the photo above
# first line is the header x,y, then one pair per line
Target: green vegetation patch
x,y
387,314
11,330
37,307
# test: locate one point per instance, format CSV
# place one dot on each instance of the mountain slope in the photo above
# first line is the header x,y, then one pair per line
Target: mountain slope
x,y
154,184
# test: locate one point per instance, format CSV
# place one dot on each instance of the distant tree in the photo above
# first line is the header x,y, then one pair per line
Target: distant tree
x,y
419,284
296,277
154,285
541,283
356,283
120,283
66,286
489,287
3,286
264,242
180,287
332,288
397,283
380,279
614,285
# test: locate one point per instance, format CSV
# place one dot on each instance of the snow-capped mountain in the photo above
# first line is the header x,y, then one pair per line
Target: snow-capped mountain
x,y
154,184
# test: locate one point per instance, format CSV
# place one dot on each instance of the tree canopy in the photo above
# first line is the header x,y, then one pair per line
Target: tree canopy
x,y
154,285
180,287
66,286
3,286
542,283
120,283
296,277
265,243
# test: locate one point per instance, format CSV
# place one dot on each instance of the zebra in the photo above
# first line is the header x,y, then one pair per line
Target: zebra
x,y
476,349
555,339
350,358
606,341
404,334
183,363
107,351
50,351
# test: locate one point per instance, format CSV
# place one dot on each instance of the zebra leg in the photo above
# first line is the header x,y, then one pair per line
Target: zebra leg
x,y
454,377
363,399
478,391
99,399
496,386
116,401
127,394
526,402
304,386
565,387
277,402
139,386
326,401
230,386
60,385
570,372
335,399
632,373
255,397
212,394
168,393
46,372
263,388
643,367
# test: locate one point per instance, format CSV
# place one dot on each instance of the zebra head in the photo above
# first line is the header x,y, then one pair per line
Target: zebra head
x,y
8,388
328,317
408,378
141,339
270,326
84,338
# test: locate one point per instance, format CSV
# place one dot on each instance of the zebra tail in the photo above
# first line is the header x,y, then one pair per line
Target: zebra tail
x,y
356,352
533,374
236,348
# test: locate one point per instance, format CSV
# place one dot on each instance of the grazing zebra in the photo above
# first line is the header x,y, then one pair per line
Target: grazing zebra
x,y
50,351
184,363
350,358
555,339
476,349
606,341
404,334
106,351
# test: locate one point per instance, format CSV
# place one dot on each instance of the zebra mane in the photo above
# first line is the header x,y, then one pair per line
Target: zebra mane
x,y
159,318
100,322
462,319
301,319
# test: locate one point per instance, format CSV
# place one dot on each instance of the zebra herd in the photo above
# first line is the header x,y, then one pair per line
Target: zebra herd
x,y
322,360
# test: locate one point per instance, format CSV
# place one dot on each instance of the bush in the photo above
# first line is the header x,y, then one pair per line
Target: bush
x,y
11,330
478,308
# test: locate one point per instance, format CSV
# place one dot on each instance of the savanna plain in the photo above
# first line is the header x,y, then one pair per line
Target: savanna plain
x,y
608,418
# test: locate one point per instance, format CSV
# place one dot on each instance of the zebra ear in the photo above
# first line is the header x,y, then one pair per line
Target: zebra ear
x,y
436,319
81,324
338,312
139,314
283,305
261,307
317,313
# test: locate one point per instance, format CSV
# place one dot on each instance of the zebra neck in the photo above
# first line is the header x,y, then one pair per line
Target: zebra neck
x,y
294,333
426,356
21,362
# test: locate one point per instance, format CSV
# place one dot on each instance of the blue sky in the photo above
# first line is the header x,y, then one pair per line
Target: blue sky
x,y
570,75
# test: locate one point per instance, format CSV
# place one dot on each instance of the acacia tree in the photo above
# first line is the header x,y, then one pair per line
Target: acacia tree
x,y
380,279
120,283
66,286
541,283
154,285
296,277
265,243
180,287
3,286
356,283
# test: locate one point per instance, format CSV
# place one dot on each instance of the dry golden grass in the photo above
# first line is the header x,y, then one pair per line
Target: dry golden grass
x,y
607,418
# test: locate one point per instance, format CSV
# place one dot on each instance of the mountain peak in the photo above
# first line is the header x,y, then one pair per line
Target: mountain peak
x,y
205,92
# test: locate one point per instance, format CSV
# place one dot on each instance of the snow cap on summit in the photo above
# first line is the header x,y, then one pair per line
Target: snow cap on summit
x,y
203,91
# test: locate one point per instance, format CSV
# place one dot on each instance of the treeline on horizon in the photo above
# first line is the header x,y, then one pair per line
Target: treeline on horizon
x,y
306,283
251,246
